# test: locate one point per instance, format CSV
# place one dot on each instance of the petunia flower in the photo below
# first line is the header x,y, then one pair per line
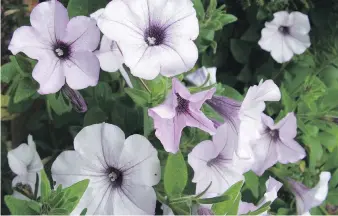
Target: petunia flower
x,y
213,161
76,99
272,187
307,198
277,144
62,47
155,36
250,113
121,171
179,110
287,34
200,76
25,162
109,54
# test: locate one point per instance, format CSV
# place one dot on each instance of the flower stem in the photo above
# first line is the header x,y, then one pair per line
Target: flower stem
x,y
145,85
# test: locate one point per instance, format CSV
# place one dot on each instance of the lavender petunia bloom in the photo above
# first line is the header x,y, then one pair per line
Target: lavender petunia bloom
x,y
199,77
214,161
272,187
62,47
179,110
76,99
307,198
154,36
277,144
250,113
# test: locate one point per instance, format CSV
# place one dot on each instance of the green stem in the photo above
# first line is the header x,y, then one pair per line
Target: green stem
x,y
324,210
145,85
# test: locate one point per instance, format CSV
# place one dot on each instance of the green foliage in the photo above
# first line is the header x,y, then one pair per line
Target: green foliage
x,y
84,7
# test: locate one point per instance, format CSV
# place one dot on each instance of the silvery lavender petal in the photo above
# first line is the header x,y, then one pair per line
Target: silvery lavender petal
x,y
228,108
74,96
204,211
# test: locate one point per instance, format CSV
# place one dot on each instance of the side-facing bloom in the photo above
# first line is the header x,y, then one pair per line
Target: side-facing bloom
x,y
213,161
121,171
154,36
250,113
277,143
62,47
307,198
179,110
272,187
25,162
200,76
287,34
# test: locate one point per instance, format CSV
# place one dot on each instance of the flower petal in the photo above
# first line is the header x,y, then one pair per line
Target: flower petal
x,y
199,120
318,194
198,99
20,158
281,18
82,70
245,207
287,127
289,151
30,179
178,87
225,141
297,47
109,55
280,51
50,20
100,143
82,33
300,22
272,187
139,161
25,39
177,56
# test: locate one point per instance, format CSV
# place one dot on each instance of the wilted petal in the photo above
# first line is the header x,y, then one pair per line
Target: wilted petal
x,y
75,97
82,70
27,182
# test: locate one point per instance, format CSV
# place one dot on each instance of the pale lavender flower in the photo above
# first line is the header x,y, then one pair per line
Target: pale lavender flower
x,y
154,36
307,198
62,47
272,187
204,211
76,99
179,110
121,171
200,76
277,143
214,161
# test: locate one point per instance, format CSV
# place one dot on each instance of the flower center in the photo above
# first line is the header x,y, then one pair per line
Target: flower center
x,y
284,30
182,105
115,176
154,35
274,134
61,50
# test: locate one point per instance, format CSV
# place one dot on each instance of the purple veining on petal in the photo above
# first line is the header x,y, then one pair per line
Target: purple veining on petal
x,y
62,50
182,105
204,211
216,123
74,96
298,187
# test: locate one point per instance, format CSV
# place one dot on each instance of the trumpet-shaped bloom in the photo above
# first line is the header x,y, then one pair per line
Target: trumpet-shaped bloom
x,y
272,187
155,36
62,47
121,171
277,144
287,34
179,110
250,113
213,161
25,162
76,99
307,198
200,76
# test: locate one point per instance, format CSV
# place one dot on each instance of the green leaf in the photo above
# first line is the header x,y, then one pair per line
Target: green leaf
x,y
58,211
8,72
94,115
75,192
261,209
140,97
316,150
58,103
26,88
241,50
231,205
84,211
23,65
45,187
227,91
199,9
213,200
175,174
252,183
329,75
332,161
332,197
148,124
84,7
34,205
211,8
334,180
20,207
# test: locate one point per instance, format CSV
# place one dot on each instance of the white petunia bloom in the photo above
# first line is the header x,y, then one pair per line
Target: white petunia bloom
x,y
287,34
121,171
155,36
25,162
214,161
109,54
250,114
199,77
307,198
272,187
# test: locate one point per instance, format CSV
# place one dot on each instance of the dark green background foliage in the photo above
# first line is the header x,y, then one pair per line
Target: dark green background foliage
x,y
229,31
